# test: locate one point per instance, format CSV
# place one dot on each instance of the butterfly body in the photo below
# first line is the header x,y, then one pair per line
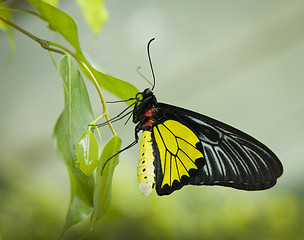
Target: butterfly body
x,y
181,147
145,168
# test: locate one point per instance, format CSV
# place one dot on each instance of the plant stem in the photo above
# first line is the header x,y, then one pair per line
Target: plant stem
x,y
46,45
19,10
86,68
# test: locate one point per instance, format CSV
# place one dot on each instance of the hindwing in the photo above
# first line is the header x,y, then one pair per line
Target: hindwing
x,y
178,154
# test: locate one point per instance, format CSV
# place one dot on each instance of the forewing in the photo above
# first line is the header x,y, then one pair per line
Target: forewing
x,y
232,157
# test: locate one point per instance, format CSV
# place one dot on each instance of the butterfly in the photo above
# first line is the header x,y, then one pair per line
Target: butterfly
x,y
179,147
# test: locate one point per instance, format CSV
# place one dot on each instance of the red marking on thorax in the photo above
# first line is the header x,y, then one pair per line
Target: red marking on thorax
x,y
148,123
149,113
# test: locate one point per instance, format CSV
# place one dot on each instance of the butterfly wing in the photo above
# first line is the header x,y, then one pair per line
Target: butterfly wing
x,y
191,148
178,155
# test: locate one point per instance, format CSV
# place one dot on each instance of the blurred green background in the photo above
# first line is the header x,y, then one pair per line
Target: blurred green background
x,y
239,61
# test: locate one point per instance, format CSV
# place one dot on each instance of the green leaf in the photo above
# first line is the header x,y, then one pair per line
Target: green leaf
x,y
65,25
6,13
102,192
94,12
87,152
73,121
52,2
58,21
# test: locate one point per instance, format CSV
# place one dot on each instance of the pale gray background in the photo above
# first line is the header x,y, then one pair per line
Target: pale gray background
x,y
240,62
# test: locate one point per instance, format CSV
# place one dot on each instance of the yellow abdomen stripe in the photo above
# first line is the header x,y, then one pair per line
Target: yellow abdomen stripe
x,y
145,168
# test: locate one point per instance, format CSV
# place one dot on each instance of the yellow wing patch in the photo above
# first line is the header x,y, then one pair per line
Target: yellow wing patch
x,y
177,148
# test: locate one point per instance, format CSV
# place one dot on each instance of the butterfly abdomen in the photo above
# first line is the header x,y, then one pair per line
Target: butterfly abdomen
x,y
145,168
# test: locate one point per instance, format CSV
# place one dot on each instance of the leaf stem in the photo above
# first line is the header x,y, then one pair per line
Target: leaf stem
x,y
46,45
85,67
20,11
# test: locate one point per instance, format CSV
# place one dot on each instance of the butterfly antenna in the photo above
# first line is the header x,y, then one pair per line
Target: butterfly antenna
x,y
139,72
150,62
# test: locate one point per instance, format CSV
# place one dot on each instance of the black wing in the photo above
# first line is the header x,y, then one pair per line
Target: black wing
x,y
233,158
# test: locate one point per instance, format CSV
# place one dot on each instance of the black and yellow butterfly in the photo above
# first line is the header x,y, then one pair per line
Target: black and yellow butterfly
x,y
180,147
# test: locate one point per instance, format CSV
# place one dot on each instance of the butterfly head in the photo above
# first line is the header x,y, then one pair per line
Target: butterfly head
x,y
145,100
144,94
